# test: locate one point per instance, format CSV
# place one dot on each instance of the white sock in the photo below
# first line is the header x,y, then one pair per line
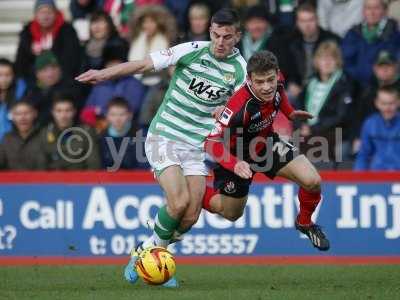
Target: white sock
x,y
155,240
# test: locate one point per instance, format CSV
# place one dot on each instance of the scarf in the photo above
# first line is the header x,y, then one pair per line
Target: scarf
x,y
112,132
42,41
250,47
374,33
317,93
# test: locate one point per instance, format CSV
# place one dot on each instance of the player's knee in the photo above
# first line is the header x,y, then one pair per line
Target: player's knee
x,y
313,183
233,215
178,203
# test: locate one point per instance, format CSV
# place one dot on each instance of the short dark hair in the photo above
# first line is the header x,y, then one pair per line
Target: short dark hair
x,y
257,12
307,7
23,102
62,97
390,89
226,16
6,62
119,102
261,62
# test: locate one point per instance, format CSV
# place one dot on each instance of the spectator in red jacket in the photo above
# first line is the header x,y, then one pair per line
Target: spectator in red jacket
x,y
48,31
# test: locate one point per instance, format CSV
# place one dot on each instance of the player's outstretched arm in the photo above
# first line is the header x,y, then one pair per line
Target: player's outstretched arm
x,y
127,68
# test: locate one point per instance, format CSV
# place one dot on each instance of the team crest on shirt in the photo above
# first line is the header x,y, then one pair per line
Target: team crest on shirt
x,y
228,78
226,116
230,187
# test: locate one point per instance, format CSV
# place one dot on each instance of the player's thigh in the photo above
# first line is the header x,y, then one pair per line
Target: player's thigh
x,y
301,171
176,190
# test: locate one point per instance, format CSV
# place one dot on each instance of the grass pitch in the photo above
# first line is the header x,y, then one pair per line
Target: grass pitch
x,y
205,282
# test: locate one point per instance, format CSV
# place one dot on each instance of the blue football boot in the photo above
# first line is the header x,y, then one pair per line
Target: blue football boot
x,y
130,273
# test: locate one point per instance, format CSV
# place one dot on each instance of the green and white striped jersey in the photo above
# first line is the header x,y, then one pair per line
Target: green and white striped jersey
x,y
200,83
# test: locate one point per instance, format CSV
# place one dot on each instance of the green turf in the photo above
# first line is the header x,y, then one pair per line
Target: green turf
x,y
205,282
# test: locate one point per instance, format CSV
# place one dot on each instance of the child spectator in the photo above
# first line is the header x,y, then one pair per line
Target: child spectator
x,y
48,31
328,96
21,148
385,73
380,134
11,90
118,138
67,145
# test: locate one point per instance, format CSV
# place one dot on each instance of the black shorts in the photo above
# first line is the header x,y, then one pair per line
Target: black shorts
x,y
228,183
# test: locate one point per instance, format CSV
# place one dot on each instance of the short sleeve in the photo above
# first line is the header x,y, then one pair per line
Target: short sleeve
x,y
169,57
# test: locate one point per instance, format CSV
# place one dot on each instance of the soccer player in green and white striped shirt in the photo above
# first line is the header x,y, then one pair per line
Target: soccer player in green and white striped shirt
x,y
206,74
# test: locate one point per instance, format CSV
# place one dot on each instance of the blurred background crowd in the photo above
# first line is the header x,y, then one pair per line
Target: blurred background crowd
x,y
339,57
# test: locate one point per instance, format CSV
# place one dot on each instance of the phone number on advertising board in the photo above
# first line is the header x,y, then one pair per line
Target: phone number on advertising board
x,y
211,244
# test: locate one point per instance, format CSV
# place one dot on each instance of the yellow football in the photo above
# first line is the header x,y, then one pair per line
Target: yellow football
x,y
155,265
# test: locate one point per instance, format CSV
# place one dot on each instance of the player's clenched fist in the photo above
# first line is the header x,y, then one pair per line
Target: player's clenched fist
x,y
92,76
243,170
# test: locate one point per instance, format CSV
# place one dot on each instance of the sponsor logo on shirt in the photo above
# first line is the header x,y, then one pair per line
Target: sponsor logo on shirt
x,y
205,90
259,126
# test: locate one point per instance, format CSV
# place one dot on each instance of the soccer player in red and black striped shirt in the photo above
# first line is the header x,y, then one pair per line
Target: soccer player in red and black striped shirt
x,y
243,143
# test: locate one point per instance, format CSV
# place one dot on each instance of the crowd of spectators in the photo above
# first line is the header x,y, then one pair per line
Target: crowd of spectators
x,y
339,59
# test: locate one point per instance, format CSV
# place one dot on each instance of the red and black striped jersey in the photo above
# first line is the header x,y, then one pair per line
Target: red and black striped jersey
x,y
244,125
